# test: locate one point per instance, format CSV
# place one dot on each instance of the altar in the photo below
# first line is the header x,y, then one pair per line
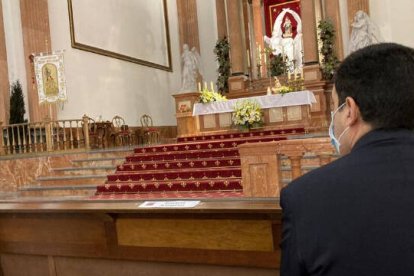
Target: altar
x,y
280,111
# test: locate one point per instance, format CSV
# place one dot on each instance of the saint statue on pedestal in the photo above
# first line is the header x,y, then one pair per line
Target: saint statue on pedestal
x,y
364,32
191,64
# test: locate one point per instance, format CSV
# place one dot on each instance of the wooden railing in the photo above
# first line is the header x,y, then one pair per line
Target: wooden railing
x,y
262,162
44,136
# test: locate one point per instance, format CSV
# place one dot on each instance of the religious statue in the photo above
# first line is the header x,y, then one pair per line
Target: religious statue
x,y
364,32
284,43
288,28
190,61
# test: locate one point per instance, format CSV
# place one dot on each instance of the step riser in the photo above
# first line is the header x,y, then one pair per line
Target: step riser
x,y
72,182
185,156
56,193
203,145
176,187
175,176
83,172
179,165
98,163
240,135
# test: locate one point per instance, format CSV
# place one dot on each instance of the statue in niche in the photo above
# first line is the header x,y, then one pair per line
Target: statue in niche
x,y
283,42
288,28
191,64
364,32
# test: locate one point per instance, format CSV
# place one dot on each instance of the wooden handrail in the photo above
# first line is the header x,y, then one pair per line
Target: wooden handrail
x,y
43,136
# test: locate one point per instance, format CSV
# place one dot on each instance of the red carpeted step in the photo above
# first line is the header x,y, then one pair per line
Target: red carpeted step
x,y
241,135
205,145
188,174
201,154
178,164
168,195
172,186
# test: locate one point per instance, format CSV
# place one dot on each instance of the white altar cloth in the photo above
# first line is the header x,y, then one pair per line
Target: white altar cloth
x,y
268,101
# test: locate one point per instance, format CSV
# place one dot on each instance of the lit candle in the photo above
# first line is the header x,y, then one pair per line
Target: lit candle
x,y
248,58
212,87
269,91
199,86
265,61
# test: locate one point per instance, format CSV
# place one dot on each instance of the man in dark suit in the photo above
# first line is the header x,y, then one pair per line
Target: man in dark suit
x,y
355,216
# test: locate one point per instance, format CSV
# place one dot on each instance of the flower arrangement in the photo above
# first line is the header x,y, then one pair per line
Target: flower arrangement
x,y
284,90
247,114
208,96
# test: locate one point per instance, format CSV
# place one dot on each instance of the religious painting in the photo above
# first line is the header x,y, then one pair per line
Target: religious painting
x,y
113,28
50,77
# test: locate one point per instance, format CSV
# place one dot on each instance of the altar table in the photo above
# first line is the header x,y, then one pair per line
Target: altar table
x,y
288,110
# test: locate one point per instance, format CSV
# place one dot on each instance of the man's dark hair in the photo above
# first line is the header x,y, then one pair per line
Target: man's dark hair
x,y
380,78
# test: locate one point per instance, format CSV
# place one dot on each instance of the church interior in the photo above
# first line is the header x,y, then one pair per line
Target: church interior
x,y
125,148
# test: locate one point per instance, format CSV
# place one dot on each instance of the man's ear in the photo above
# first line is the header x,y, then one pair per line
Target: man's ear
x,y
353,114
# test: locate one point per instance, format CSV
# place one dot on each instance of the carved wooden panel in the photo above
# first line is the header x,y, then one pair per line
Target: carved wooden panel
x,y
294,113
276,115
209,121
225,119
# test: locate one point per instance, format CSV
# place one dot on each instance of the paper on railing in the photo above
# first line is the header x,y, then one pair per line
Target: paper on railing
x,y
170,204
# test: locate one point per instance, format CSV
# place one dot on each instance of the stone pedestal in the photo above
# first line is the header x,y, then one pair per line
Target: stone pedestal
x,y
237,84
187,125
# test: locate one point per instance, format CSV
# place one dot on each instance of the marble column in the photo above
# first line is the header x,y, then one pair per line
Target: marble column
x,y
188,23
310,39
4,75
36,39
221,19
258,31
235,30
333,13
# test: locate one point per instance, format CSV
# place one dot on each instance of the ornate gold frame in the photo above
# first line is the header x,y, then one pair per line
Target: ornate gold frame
x,y
96,50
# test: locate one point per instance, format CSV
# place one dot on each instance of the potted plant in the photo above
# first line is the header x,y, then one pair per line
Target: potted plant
x,y
247,114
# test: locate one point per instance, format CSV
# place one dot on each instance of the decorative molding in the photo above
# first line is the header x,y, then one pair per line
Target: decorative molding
x,y
80,35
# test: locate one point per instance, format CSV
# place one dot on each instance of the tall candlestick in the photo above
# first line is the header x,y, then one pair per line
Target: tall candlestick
x,y
265,61
199,86
212,87
205,85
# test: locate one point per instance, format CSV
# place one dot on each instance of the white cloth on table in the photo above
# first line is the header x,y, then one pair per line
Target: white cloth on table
x,y
268,101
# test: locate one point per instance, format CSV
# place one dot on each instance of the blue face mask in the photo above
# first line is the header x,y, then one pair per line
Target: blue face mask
x,y
336,142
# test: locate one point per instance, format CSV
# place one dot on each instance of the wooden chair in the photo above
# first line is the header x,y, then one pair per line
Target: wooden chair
x,y
151,134
120,132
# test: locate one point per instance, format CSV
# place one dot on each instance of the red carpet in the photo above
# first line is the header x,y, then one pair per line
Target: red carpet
x,y
195,167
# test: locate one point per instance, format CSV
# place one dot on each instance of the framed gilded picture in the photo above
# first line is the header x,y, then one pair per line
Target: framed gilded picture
x,y
132,30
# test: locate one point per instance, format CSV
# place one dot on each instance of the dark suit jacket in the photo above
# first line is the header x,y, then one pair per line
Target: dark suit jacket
x,y
354,216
